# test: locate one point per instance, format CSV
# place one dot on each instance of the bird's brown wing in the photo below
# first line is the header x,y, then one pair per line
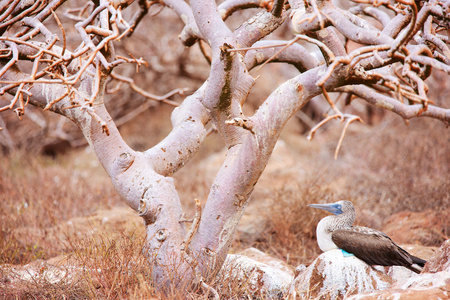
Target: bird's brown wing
x,y
371,246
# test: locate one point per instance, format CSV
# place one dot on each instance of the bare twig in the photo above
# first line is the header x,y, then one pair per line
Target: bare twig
x,y
313,130
242,122
195,223
284,46
163,98
328,54
70,13
404,110
349,119
62,32
277,9
344,117
412,28
202,46
144,6
8,11
330,102
22,15
318,13
358,54
13,60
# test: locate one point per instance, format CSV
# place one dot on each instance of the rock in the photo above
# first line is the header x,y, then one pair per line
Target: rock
x,y
262,257
333,276
440,260
423,286
102,222
56,271
110,223
260,274
299,269
37,271
426,228
397,273
412,294
251,226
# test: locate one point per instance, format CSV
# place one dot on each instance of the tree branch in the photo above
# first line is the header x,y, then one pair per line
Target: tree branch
x,y
257,28
403,110
184,140
294,54
210,23
228,7
190,33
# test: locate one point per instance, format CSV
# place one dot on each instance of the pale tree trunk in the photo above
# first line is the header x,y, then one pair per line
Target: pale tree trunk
x,y
183,256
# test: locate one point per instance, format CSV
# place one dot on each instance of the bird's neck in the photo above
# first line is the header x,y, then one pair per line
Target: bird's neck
x,y
335,222
341,221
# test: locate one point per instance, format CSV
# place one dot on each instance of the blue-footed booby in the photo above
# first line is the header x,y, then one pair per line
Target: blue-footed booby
x,y
369,245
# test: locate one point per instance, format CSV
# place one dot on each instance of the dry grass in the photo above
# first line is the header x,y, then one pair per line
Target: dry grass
x,y
39,201
114,267
407,167
38,198
37,194
97,268
290,234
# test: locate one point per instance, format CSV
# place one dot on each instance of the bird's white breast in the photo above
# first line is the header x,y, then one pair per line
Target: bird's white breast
x,y
323,233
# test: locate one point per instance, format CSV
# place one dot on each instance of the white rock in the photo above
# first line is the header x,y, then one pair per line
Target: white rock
x,y
333,276
262,274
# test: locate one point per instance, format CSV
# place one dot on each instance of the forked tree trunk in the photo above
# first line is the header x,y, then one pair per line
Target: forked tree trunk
x,y
180,257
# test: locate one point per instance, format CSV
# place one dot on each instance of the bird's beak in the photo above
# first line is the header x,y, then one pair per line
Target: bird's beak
x,y
333,208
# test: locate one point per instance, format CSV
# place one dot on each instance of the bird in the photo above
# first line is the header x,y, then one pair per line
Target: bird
x,y
369,245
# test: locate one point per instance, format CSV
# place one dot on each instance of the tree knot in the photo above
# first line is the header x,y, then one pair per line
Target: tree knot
x,y
226,55
161,235
148,211
123,162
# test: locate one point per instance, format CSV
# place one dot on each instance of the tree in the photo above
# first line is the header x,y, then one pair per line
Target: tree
x,y
399,44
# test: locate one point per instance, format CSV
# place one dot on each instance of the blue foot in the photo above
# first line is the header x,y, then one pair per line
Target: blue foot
x,y
345,253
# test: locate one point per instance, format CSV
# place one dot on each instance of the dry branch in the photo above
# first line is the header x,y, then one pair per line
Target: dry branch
x,y
163,98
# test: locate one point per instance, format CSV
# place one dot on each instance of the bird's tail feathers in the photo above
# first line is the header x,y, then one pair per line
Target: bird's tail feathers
x,y
417,265
418,261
